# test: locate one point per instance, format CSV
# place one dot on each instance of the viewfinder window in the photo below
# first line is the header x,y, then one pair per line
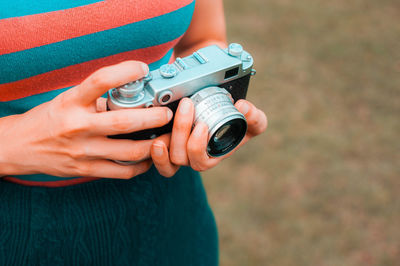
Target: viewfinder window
x,y
231,73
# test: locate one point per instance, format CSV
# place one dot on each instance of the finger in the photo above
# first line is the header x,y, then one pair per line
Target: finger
x,y
256,119
159,154
107,78
257,123
112,149
181,131
101,105
128,120
197,149
109,169
166,138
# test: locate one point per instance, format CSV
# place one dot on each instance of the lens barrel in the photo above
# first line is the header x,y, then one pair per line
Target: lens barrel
x,y
226,125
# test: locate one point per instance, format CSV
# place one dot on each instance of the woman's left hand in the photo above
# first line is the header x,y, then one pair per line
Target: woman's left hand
x,y
187,147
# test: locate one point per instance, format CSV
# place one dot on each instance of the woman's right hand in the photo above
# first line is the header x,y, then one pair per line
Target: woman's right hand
x,y
68,137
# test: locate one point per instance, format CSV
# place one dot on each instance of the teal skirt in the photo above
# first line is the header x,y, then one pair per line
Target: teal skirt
x,y
147,220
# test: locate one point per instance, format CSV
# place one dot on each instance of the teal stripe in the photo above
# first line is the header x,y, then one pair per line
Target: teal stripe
x,y
19,8
133,36
22,105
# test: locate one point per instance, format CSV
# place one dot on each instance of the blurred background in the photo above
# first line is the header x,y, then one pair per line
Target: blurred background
x,y
322,185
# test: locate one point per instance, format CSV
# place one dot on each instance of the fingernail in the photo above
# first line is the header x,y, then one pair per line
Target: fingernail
x,y
145,68
158,150
184,106
199,129
169,114
244,107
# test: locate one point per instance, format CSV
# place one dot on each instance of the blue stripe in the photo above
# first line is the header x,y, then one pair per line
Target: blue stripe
x,y
133,36
20,8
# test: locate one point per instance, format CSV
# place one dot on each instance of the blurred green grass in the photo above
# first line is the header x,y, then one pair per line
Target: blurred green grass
x,y
322,185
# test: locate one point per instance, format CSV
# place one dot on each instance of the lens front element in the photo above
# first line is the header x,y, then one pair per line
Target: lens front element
x,y
226,125
227,137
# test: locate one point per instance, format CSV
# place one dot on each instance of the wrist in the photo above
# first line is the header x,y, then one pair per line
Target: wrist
x,y
7,167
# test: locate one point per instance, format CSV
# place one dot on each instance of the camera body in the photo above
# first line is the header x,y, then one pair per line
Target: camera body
x,y
210,72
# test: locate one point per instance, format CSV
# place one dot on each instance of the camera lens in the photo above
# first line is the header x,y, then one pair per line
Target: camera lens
x,y
227,137
226,125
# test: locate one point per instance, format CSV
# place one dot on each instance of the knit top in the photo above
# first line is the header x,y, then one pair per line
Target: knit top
x,y
47,47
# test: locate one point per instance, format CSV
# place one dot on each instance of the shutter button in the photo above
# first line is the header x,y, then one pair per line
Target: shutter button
x,y
235,49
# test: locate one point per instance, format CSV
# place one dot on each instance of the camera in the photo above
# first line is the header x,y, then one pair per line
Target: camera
x,y
212,77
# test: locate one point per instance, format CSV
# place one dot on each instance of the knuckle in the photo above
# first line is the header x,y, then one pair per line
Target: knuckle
x,y
65,122
178,153
64,100
196,168
155,117
251,114
182,125
199,167
100,78
204,167
121,123
256,114
69,168
175,159
65,126
179,159
128,173
83,169
71,125
204,164
77,152
89,123
136,170
194,149
167,174
137,154
259,124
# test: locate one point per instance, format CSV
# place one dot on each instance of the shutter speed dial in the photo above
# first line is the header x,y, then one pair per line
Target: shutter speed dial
x,y
168,71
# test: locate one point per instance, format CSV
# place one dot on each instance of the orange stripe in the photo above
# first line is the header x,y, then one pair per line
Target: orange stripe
x,y
75,74
61,183
33,30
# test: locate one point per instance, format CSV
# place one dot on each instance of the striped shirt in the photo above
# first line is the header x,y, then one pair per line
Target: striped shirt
x,y
46,47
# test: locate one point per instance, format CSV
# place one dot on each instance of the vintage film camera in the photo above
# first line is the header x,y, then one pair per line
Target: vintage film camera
x,y
212,77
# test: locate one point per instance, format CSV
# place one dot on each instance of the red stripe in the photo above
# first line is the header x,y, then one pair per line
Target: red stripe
x,y
21,33
61,183
75,74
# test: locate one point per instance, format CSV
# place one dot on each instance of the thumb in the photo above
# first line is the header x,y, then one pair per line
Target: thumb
x,y
107,78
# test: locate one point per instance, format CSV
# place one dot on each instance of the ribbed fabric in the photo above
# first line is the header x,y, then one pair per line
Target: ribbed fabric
x,y
149,220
